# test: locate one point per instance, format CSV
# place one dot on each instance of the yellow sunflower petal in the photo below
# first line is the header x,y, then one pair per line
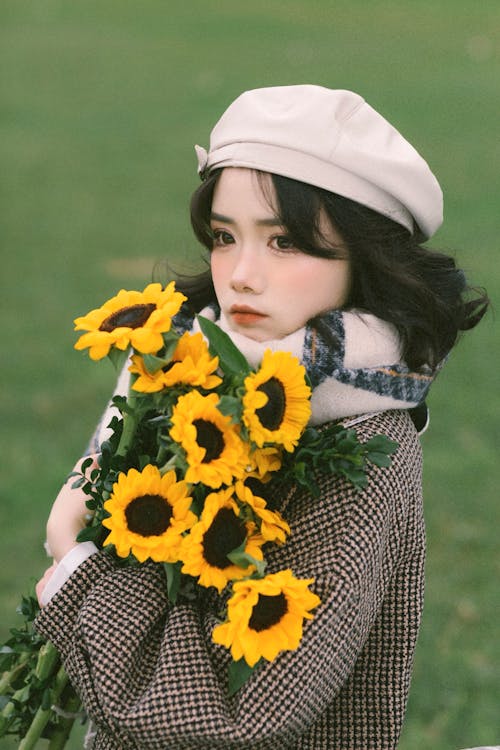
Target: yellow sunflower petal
x,y
130,318
273,624
149,515
215,453
273,526
218,532
282,417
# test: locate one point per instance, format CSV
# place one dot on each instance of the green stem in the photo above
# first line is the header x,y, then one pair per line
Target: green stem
x,y
9,677
10,707
43,716
161,455
61,734
130,422
170,464
6,714
48,657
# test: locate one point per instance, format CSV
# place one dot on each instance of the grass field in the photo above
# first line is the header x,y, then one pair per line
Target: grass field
x,y
102,102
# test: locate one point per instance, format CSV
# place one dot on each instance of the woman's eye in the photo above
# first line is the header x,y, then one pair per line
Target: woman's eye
x,y
282,242
222,238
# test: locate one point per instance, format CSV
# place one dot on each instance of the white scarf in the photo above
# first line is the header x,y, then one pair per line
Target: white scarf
x,y
364,373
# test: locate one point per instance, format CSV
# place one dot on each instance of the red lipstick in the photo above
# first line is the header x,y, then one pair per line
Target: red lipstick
x,y
245,315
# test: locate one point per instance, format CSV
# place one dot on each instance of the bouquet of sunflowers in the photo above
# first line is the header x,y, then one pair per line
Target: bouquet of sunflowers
x,y
197,450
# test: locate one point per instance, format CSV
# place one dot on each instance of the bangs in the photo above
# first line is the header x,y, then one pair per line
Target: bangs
x,y
300,208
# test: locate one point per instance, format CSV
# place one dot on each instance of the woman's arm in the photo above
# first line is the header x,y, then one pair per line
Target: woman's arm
x,y
68,515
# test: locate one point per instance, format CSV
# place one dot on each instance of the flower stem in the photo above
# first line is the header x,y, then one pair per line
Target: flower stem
x,y
61,734
170,464
9,709
42,716
130,421
9,676
47,660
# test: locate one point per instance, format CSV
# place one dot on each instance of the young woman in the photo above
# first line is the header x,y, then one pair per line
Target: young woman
x,y
313,209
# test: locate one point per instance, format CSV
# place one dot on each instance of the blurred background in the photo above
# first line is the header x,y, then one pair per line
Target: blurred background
x,y
102,102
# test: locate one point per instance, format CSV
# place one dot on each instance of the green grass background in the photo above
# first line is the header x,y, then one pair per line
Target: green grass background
x,y
102,102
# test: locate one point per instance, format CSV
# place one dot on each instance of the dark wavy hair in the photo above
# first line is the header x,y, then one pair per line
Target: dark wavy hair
x,y
393,276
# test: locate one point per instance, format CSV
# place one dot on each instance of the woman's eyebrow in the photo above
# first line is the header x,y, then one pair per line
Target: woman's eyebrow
x,y
268,222
220,217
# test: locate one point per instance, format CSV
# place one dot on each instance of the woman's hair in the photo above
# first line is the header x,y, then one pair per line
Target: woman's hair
x,y
420,291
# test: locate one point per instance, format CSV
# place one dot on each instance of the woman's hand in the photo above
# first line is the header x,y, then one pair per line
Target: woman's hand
x,y
69,515
40,586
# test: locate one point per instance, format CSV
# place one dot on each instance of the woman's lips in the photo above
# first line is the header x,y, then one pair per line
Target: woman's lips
x,y
243,315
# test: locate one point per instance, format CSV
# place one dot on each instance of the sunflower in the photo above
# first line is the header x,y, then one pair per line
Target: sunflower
x,y
276,405
148,515
130,318
219,532
263,462
191,364
265,616
273,526
214,450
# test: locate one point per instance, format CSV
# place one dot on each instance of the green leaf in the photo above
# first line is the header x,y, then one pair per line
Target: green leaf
x,y
379,459
170,341
238,673
357,477
231,360
173,573
89,534
381,444
300,470
23,695
231,406
242,559
4,700
347,444
118,357
153,363
86,464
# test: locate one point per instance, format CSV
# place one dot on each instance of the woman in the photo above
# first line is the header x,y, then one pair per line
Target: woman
x,y
313,208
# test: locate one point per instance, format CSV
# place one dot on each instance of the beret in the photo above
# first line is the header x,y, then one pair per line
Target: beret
x,y
333,139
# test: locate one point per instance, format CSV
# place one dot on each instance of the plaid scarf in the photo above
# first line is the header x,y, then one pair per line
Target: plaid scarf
x,y
353,360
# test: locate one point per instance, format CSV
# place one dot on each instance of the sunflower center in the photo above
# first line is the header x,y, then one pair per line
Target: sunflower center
x,y
268,611
133,316
226,533
271,414
148,515
209,436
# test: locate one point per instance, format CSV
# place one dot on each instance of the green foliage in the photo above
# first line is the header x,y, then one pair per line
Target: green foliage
x,y
173,573
334,449
32,682
243,560
231,360
238,673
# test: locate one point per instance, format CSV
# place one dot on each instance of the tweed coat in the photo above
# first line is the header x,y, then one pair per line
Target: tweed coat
x,y
152,679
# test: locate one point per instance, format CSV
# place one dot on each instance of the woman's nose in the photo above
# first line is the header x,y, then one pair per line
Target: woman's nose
x,y
247,275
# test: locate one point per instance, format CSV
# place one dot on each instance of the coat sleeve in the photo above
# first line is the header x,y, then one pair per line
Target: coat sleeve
x,y
151,676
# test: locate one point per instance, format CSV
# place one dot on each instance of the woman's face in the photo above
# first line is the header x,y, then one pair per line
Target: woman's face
x,y
267,288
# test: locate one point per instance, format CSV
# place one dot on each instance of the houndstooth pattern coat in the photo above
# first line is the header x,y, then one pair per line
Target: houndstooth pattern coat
x,y
151,678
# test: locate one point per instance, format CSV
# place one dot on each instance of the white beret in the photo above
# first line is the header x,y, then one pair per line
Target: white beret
x,y
333,139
